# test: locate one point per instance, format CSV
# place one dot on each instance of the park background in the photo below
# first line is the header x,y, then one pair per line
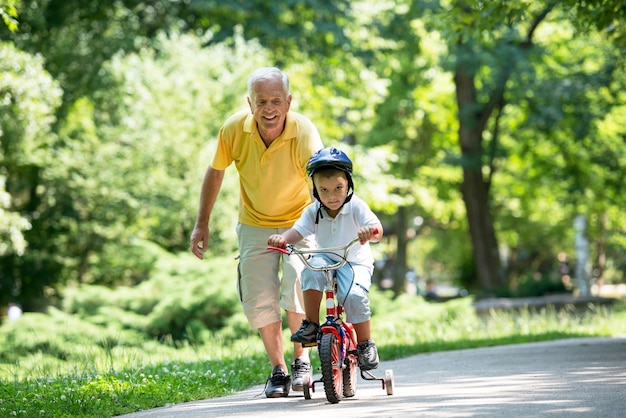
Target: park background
x,y
490,137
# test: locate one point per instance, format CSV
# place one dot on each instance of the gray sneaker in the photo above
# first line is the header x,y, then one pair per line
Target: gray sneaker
x,y
301,372
277,385
368,355
307,334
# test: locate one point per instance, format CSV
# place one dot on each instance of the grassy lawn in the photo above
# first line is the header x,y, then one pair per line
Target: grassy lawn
x,y
100,378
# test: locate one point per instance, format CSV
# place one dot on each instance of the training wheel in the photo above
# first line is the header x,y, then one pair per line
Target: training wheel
x,y
307,389
389,381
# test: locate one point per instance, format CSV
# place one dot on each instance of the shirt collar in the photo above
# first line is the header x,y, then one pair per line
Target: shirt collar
x,y
290,131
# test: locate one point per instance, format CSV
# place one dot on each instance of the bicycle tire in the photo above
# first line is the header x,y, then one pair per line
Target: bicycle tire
x,y
349,377
332,367
307,389
389,378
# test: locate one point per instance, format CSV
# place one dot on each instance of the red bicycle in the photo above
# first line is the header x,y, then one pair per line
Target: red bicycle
x,y
336,340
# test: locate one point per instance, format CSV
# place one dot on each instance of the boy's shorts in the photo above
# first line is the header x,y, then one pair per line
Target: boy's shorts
x,y
261,291
353,284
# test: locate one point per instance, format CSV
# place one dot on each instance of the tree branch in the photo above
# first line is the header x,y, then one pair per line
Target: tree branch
x,y
497,95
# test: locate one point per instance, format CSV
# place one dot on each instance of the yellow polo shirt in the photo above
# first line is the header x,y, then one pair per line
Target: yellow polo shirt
x,y
274,187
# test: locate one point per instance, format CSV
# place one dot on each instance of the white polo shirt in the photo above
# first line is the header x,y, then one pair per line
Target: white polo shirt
x,y
338,231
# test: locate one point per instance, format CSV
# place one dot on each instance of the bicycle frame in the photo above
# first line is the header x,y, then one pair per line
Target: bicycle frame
x,y
334,310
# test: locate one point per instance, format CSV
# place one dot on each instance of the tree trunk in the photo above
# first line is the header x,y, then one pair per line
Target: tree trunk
x,y
475,190
400,266
484,243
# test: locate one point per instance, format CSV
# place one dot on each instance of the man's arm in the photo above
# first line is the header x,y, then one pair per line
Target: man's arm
x,y
208,195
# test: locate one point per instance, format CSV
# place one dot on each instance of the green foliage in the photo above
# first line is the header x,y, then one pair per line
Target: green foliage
x,y
536,284
11,225
116,392
59,336
177,95
28,100
146,87
8,13
183,300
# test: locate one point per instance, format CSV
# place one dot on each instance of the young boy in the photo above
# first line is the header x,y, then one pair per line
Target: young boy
x,y
337,217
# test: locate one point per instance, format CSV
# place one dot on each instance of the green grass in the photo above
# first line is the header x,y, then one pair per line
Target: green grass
x,y
96,379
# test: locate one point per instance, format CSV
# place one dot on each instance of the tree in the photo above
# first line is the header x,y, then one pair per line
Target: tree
x,y
28,101
11,223
78,36
110,131
488,42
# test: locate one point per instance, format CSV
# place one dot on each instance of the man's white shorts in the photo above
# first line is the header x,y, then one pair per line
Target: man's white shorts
x,y
267,280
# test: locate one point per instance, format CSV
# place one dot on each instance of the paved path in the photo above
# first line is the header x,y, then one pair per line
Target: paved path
x,y
565,378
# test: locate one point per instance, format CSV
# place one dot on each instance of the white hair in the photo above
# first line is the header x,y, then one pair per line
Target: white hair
x,y
267,73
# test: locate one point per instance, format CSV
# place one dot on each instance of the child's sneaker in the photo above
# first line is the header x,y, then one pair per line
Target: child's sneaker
x,y
307,334
368,355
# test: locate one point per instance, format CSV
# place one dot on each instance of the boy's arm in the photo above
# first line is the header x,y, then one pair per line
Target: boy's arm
x,y
290,236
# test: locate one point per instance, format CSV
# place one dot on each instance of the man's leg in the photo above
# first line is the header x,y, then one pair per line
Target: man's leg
x,y
292,302
301,370
279,382
259,288
273,341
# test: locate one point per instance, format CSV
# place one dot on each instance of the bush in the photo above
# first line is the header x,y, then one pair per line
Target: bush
x,y
59,335
538,285
183,299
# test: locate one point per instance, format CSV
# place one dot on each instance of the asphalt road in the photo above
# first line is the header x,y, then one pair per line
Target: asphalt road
x,y
567,378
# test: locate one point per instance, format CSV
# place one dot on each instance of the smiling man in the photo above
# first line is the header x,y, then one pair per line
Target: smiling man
x,y
270,146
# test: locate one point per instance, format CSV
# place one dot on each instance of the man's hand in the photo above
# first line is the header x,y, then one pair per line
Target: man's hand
x,y
199,241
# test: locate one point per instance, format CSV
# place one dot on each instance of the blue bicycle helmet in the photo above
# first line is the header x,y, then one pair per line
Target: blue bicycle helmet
x,y
330,157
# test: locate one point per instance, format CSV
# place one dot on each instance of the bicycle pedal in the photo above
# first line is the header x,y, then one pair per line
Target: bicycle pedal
x,y
313,344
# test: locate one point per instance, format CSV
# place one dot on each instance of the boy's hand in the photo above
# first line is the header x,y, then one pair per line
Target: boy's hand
x,y
277,241
369,233
365,234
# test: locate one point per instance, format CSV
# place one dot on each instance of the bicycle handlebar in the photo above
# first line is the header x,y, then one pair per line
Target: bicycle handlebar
x,y
290,249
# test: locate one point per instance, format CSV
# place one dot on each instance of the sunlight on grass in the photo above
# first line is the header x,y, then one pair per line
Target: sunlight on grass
x,y
94,379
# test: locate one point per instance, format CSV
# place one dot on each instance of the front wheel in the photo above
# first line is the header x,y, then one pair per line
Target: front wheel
x,y
332,366
349,376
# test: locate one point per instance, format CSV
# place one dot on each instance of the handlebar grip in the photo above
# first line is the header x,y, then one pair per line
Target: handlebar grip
x,y
375,231
282,250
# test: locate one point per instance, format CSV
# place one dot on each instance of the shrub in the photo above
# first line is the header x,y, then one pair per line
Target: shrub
x,y
60,336
183,299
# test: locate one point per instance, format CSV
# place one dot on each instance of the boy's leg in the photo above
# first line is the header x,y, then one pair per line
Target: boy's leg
x,y
362,331
306,333
353,288
366,348
312,302
312,284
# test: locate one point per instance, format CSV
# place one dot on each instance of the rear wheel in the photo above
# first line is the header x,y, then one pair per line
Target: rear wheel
x,y
332,367
389,381
307,389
